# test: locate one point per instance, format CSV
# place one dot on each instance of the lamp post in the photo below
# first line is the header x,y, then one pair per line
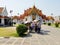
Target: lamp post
x,y
11,17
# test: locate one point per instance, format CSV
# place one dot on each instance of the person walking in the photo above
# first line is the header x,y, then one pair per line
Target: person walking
x,y
38,26
32,26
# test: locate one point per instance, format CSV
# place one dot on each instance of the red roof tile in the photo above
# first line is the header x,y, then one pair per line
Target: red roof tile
x,y
15,17
1,9
28,11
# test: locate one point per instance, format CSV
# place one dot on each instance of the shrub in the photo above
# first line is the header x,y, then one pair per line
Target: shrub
x,y
14,22
49,24
44,22
21,29
56,24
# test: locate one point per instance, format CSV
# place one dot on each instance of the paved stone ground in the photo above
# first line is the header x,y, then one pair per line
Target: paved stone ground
x,y
48,36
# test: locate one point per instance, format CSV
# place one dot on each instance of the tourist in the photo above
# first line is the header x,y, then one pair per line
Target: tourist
x,y
38,26
35,27
32,26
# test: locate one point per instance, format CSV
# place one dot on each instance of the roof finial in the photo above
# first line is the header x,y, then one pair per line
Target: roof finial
x,y
34,5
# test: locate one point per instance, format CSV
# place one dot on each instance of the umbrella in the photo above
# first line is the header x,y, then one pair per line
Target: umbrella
x,y
27,22
35,20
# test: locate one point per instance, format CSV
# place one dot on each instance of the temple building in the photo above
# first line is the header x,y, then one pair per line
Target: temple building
x,y
57,19
32,14
3,16
16,19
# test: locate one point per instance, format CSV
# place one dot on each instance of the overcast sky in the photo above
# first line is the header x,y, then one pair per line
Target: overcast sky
x,y
18,6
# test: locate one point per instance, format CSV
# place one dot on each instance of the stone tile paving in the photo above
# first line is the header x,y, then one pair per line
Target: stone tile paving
x,y
48,36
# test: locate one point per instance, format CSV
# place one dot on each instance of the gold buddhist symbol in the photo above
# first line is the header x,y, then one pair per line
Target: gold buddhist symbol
x,y
33,16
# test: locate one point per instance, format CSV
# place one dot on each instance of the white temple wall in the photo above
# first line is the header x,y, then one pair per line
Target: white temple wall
x,y
2,20
29,18
37,17
15,20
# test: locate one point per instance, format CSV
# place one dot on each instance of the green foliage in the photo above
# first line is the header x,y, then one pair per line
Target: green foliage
x,y
44,23
56,24
14,22
49,24
8,32
21,29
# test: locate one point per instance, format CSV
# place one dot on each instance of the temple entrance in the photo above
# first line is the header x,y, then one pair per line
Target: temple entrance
x,y
0,21
6,21
33,15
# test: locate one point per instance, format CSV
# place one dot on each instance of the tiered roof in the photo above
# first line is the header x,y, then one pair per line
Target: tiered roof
x,y
16,17
33,9
49,18
30,10
1,11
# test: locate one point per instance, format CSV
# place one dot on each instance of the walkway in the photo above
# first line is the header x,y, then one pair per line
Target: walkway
x,y
48,36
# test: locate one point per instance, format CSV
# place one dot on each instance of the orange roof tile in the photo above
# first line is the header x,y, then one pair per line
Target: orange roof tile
x,y
4,17
28,11
1,9
44,16
15,17
50,17
1,16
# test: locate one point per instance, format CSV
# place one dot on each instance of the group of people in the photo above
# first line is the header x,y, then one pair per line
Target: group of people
x,y
34,26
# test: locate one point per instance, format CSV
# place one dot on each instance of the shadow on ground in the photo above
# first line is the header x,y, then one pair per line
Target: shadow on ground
x,y
28,35
44,32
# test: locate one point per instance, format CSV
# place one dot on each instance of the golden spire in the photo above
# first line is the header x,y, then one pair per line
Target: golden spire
x,y
34,5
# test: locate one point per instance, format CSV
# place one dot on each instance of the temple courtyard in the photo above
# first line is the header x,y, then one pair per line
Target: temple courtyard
x,y
48,36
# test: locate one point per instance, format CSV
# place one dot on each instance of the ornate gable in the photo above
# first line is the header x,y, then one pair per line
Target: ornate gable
x,y
33,11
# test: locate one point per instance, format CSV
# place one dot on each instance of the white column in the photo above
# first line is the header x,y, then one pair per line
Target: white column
x,y
2,21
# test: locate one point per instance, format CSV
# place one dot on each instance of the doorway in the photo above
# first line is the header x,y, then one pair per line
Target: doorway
x,y
33,17
0,21
6,21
